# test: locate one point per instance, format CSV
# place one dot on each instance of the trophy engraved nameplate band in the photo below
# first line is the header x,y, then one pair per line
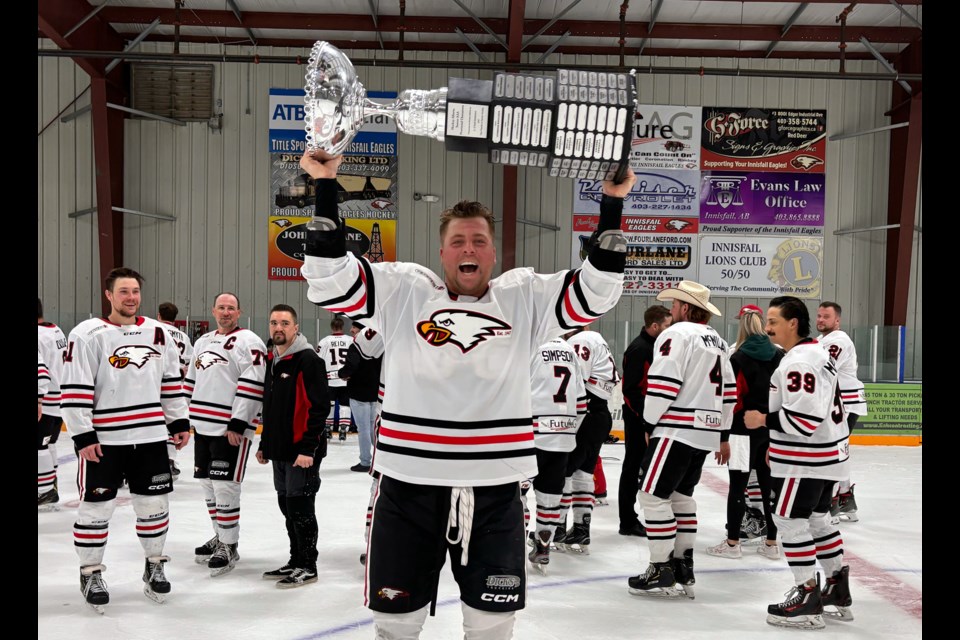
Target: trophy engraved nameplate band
x,y
574,123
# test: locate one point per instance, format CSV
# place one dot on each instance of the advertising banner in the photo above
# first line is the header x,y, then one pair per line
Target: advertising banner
x,y
745,139
761,266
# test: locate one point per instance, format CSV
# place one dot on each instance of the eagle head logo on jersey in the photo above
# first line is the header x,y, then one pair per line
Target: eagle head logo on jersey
x,y
136,355
805,162
465,329
392,594
207,359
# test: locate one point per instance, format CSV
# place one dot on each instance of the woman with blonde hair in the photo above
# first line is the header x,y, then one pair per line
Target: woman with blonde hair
x,y
753,363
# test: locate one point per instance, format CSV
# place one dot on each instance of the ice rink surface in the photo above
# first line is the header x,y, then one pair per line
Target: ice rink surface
x,y
582,598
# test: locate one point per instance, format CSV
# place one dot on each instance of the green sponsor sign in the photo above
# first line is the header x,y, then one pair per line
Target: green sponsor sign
x,y
894,409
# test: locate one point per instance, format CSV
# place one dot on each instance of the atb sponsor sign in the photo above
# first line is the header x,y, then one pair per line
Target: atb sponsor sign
x,y
660,251
761,266
751,139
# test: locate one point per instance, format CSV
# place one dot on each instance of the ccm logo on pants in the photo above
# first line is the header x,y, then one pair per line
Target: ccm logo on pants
x,y
499,597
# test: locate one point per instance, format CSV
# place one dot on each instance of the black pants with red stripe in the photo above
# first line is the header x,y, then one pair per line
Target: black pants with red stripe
x,y
145,467
670,465
215,458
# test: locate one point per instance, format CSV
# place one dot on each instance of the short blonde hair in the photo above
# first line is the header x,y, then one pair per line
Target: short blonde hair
x,y
466,209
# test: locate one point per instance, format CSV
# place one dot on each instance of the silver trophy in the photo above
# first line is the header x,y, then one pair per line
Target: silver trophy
x,y
575,123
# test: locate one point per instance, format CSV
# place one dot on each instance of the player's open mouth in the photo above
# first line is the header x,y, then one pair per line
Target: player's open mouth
x,y
468,267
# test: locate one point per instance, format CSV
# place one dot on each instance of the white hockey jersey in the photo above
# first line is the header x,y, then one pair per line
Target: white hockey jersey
x,y
812,438
184,346
333,351
844,357
52,345
559,396
43,377
225,381
596,364
691,389
458,368
121,382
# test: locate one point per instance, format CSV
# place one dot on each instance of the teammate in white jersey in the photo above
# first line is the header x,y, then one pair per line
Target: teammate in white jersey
x,y
333,350
167,314
52,346
600,377
808,455
559,404
691,393
122,396
456,433
844,357
225,387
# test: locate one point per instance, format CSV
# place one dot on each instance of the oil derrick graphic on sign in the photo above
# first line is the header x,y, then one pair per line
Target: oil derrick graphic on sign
x,y
375,254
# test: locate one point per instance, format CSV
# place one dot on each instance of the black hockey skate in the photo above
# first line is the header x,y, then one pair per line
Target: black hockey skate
x,y
836,594
539,556
658,580
577,539
803,608
48,501
683,572
155,585
204,552
754,525
847,507
223,560
93,588
559,536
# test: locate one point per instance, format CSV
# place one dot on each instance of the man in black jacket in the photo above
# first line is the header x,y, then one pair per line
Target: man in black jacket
x,y
636,360
295,404
362,373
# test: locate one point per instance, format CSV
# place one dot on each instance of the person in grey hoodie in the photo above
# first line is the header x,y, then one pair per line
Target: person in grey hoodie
x,y
295,405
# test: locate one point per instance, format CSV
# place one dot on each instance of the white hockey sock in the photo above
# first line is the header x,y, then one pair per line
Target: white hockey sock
x,y
211,500
228,510
565,501
153,521
548,511
399,626
45,472
661,525
487,625
685,512
91,529
582,494
829,544
798,547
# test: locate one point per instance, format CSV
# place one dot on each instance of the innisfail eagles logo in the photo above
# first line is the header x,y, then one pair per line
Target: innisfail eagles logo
x,y
283,223
465,329
132,355
208,358
676,225
389,593
805,162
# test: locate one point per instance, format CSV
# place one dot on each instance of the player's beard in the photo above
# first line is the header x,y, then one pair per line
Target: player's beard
x,y
279,338
124,312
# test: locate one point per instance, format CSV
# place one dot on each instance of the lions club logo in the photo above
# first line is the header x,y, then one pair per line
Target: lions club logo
x,y
208,358
132,355
465,329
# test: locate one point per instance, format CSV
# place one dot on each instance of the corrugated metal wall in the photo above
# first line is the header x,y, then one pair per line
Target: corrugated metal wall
x,y
216,184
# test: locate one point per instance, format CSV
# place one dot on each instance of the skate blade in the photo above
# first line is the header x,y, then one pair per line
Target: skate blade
x,y
202,559
99,608
803,623
838,614
557,548
667,592
601,502
540,568
834,520
583,550
159,598
849,517
687,590
48,508
222,570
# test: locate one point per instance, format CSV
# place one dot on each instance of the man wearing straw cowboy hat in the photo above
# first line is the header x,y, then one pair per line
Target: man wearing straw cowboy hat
x,y
691,392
